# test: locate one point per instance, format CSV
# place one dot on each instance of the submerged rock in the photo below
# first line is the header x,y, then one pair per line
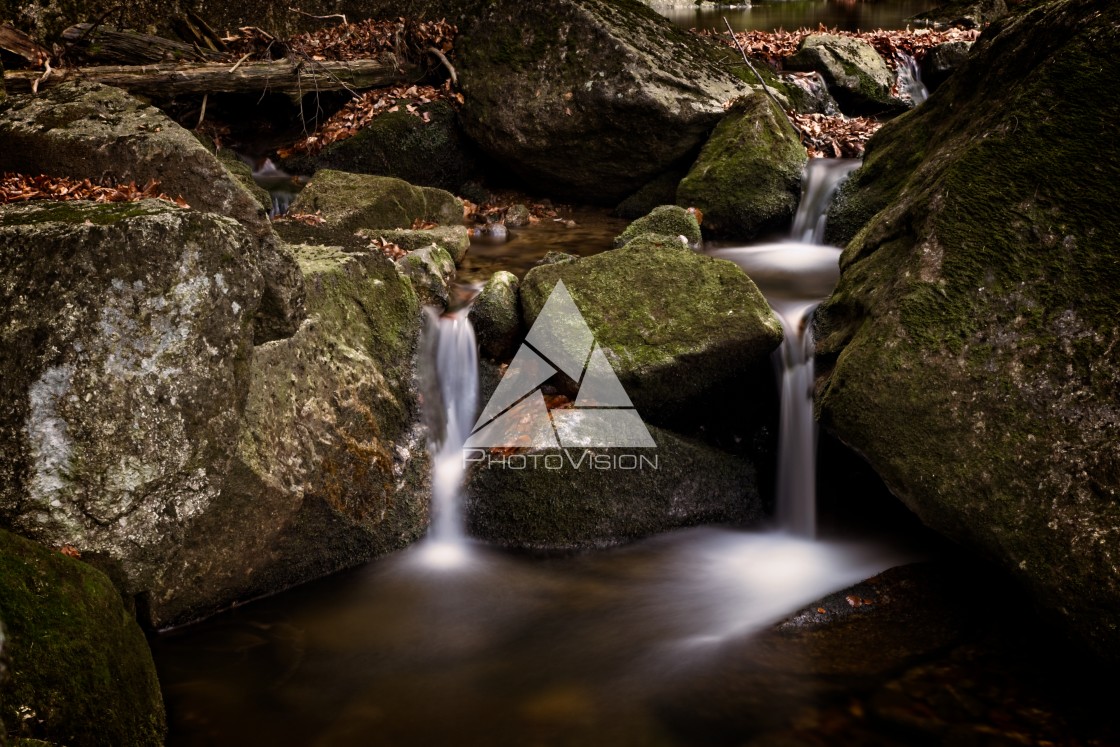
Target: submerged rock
x,y
856,75
553,499
748,176
973,332
666,220
679,348
79,671
586,98
428,150
351,201
87,130
496,316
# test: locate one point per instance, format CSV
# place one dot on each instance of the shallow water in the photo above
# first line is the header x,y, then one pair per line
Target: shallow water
x,y
496,650
769,15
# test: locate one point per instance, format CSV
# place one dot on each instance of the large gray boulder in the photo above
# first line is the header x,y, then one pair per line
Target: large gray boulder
x,y
747,179
973,333
79,671
348,202
87,130
674,349
554,499
856,75
589,99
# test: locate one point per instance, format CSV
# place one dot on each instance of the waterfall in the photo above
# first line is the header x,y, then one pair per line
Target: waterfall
x,y
449,384
795,276
910,82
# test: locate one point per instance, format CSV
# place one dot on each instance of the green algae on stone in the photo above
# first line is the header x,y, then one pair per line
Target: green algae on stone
x,y
79,669
692,339
973,333
666,220
453,239
430,269
352,201
496,316
747,178
856,75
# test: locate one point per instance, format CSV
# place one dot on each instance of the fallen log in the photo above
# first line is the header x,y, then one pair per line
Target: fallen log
x,y
17,42
294,77
105,44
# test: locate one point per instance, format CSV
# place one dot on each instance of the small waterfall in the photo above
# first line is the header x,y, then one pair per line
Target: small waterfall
x,y
910,83
795,276
449,381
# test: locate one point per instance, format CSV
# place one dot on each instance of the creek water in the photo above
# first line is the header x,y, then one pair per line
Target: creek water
x,y
452,642
769,15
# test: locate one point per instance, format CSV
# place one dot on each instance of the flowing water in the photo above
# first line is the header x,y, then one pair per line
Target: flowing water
x,y
795,276
768,15
910,83
452,642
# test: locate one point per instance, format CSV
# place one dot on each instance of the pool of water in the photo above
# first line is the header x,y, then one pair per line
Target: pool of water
x,y
768,15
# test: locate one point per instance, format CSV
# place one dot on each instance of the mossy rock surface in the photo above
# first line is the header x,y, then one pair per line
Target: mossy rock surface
x,y
661,190
856,75
87,130
432,153
349,202
240,171
79,669
588,99
973,334
673,349
430,269
453,239
666,220
747,180
967,13
564,504
496,316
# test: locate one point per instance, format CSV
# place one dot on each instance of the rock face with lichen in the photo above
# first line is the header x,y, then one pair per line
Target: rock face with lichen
x,y
87,130
973,337
747,179
693,339
349,202
78,668
855,73
665,220
588,99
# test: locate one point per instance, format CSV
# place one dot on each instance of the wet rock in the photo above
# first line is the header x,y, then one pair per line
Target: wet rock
x,y
748,177
452,239
352,201
966,13
666,220
857,76
517,216
552,499
675,349
496,316
87,130
553,257
78,667
240,171
540,77
128,329
432,153
429,269
812,95
973,333
940,62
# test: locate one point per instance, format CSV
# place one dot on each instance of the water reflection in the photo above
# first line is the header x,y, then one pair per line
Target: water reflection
x,y
502,650
768,15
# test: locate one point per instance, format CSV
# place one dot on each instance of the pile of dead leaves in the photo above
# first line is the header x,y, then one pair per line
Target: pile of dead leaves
x,y
494,209
359,112
386,247
21,187
774,46
406,39
837,136
307,219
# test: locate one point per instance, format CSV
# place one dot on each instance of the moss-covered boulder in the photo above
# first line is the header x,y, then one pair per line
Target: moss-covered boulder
x,y
856,75
748,177
430,269
674,350
973,333
553,499
453,239
940,62
87,130
79,669
240,171
496,316
429,150
665,220
128,331
588,99
352,201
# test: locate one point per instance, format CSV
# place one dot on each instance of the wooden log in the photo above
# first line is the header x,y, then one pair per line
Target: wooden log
x,y
106,44
288,76
15,41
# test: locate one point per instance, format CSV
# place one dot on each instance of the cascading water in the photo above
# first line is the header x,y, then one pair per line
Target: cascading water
x,y
910,83
449,371
795,276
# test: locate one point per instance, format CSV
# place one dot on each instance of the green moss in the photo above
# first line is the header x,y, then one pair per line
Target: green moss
x,y
667,220
80,669
78,212
352,201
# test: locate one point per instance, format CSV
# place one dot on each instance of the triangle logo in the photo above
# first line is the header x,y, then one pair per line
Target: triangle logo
x,y
560,342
